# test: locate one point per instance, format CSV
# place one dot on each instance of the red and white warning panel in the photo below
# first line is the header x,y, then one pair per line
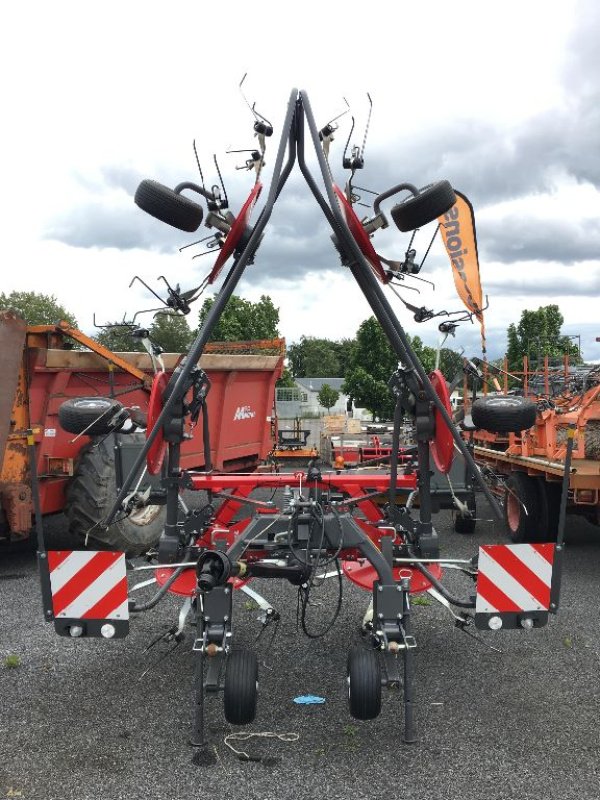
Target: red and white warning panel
x,y
514,585
89,593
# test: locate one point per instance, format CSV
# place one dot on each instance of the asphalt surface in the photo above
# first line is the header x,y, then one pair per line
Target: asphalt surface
x,y
78,720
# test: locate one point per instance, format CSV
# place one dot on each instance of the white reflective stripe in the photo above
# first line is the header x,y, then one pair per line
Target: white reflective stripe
x,y
69,568
96,590
507,584
532,559
122,612
483,607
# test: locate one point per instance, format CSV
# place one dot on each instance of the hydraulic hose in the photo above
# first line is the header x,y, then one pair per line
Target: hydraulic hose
x,y
442,589
136,607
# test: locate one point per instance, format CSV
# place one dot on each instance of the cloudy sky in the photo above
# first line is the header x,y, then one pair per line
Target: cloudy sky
x,y
502,99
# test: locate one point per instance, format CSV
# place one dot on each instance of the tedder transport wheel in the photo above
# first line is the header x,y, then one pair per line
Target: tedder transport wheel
x,y
431,202
521,490
503,414
166,205
364,683
466,524
90,495
241,687
97,416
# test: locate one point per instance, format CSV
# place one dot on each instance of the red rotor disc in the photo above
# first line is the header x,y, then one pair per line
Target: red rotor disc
x,y
442,446
361,237
232,239
364,575
156,453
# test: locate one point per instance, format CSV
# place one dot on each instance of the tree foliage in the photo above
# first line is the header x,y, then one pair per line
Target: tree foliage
x,y
538,334
372,364
314,358
118,338
172,333
36,308
243,320
327,396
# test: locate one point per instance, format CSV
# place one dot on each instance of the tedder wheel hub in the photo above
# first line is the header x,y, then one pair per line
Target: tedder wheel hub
x,y
156,453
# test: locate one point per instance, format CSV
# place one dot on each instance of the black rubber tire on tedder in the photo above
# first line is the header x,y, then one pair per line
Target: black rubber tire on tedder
x,y
90,495
522,490
364,683
503,414
241,687
166,205
97,416
417,210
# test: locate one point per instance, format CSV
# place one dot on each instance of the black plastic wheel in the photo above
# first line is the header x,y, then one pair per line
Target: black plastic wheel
x,y
241,687
503,414
522,493
466,525
97,416
166,205
431,202
364,683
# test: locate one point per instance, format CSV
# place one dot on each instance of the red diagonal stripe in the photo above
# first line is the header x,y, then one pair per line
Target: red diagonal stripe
x,y
56,557
521,573
546,551
494,596
82,579
111,600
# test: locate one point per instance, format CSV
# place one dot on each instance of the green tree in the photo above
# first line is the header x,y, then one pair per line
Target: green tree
x,y
171,332
243,320
118,338
286,380
37,308
372,364
538,335
313,358
327,396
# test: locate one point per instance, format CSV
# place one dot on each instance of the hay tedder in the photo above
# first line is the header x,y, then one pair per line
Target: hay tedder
x,y
314,523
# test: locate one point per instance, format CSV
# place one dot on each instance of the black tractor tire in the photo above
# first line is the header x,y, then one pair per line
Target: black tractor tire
x,y
431,202
503,414
166,205
466,525
97,416
240,687
522,490
90,495
550,509
364,683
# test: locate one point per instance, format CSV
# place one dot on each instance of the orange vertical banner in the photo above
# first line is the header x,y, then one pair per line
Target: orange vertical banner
x,y
457,227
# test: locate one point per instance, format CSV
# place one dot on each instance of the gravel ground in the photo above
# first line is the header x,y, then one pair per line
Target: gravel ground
x,y
79,722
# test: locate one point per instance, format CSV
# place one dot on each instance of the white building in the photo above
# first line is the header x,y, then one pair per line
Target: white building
x,y
302,400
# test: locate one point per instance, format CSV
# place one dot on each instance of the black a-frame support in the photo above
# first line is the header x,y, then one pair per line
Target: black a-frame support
x,y
298,117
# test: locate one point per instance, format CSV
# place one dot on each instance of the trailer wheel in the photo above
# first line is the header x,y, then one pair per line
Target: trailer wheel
x,y
431,202
466,525
90,495
97,416
241,687
364,683
522,491
503,414
550,509
166,205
